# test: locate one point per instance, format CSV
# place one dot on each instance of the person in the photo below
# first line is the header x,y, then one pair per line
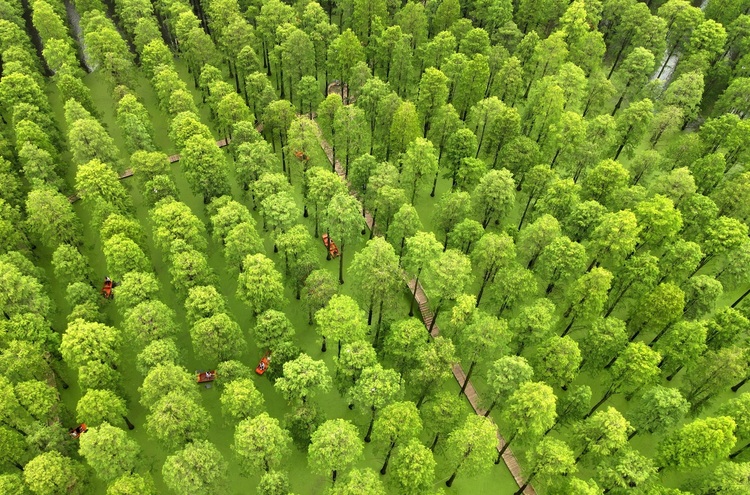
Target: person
x,y
262,365
208,375
107,280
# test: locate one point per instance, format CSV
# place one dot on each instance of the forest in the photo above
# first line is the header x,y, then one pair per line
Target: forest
x,y
374,247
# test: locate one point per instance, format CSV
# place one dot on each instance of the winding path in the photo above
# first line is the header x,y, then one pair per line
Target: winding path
x,y
424,308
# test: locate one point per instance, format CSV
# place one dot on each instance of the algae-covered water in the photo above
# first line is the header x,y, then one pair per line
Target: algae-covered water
x,y
498,480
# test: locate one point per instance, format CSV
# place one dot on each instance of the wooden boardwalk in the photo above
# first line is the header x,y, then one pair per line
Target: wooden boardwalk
x,y
220,143
127,173
341,172
424,308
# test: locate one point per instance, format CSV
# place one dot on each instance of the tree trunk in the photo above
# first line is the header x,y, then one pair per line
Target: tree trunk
x,y
379,324
387,458
323,347
739,385
674,373
334,476
341,264
567,329
489,410
739,300
131,426
449,483
632,434
435,441
434,184
505,447
525,484
466,380
606,396
739,451
368,435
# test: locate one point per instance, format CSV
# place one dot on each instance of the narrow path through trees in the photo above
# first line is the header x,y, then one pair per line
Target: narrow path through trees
x,y
458,372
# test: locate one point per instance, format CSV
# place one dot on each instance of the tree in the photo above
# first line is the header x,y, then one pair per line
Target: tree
x,y
90,341
51,473
560,260
189,268
433,93
413,468
322,185
350,123
434,365
340,319
483,336
128,484
101,406
450,210
494,196
606,339
557,361
505,376
177,419
303,378
419,163
680,449
632,124
359,481
376,274
602,434
343,222
398,423
272,327
335,446
658,309
549,458
625,470
174,220
447,277
199,469
108,451
260,444
150,320
727,478
50,218
375,388
712,373
658,409
615,237
421,249
405,343
203,301
319,288
157,352
240,399
217,338
633,74
343,55
205,168
404,129
530,412
587,296
471,447
260,285
635,367
165,378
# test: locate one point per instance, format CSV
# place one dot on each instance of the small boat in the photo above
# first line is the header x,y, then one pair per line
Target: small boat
x,y
263,364
205,376
332,248
78,431
107,288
